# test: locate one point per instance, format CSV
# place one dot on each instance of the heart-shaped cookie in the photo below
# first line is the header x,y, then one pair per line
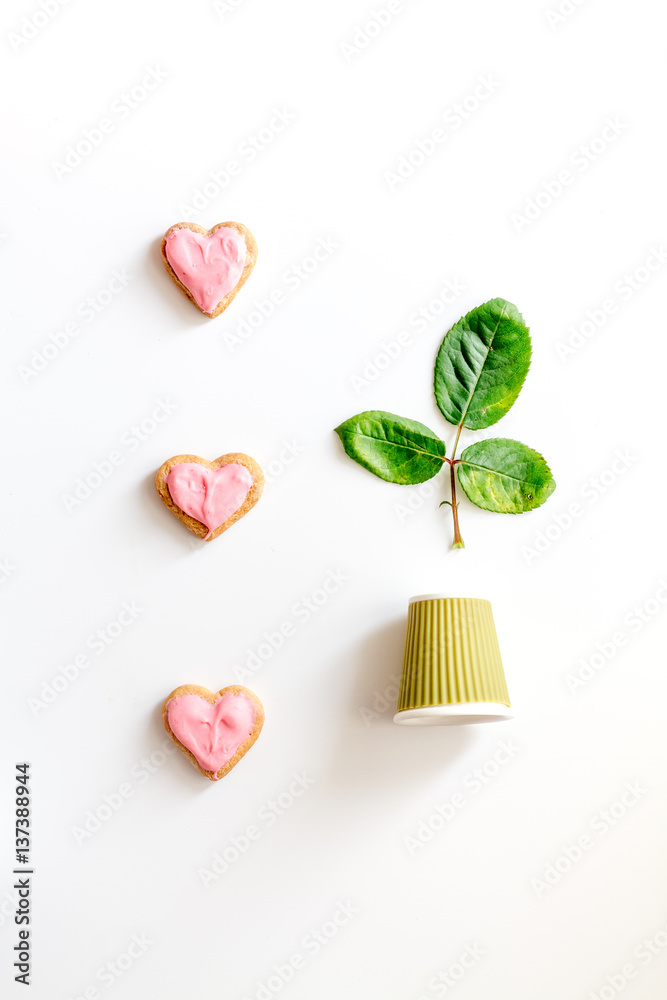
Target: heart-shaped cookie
x,y
213,730
209,265
208,497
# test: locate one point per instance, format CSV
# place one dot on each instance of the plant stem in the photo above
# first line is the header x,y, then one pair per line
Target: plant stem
x,y
458,542
456,443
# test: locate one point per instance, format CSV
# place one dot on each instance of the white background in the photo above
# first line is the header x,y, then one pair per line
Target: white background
x,y
559,585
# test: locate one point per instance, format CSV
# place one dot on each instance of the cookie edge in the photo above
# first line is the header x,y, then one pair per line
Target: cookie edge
x,y
250,261
212,697
233,457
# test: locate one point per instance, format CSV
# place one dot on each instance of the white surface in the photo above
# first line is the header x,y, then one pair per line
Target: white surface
x,y
567,757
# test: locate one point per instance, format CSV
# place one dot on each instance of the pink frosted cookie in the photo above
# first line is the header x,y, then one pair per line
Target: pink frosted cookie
x,y
213,730
208,497
209,265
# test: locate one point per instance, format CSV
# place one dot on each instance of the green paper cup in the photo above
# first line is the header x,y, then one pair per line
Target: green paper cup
x,y
452,671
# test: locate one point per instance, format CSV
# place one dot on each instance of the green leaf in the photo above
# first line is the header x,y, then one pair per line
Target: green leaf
x,y
393,448
482,364
505,476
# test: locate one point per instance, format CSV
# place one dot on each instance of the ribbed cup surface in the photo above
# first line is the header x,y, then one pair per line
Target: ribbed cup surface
x,y
451,654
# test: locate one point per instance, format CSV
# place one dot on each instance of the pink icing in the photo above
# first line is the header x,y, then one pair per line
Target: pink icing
x,y
212,732
208,265
209,495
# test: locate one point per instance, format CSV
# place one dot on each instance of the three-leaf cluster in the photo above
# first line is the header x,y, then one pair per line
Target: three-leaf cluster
x,y
480,368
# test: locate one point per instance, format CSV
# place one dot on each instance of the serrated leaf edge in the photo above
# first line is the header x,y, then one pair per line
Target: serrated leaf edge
x,y
506,302
504,475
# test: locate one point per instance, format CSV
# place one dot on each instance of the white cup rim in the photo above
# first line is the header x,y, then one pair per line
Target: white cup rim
x,y
441,596
459,714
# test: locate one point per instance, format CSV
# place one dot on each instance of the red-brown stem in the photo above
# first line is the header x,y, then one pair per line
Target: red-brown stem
x,y
458,542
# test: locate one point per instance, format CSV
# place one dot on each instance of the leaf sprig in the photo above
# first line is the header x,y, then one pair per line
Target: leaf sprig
x,y
480,369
